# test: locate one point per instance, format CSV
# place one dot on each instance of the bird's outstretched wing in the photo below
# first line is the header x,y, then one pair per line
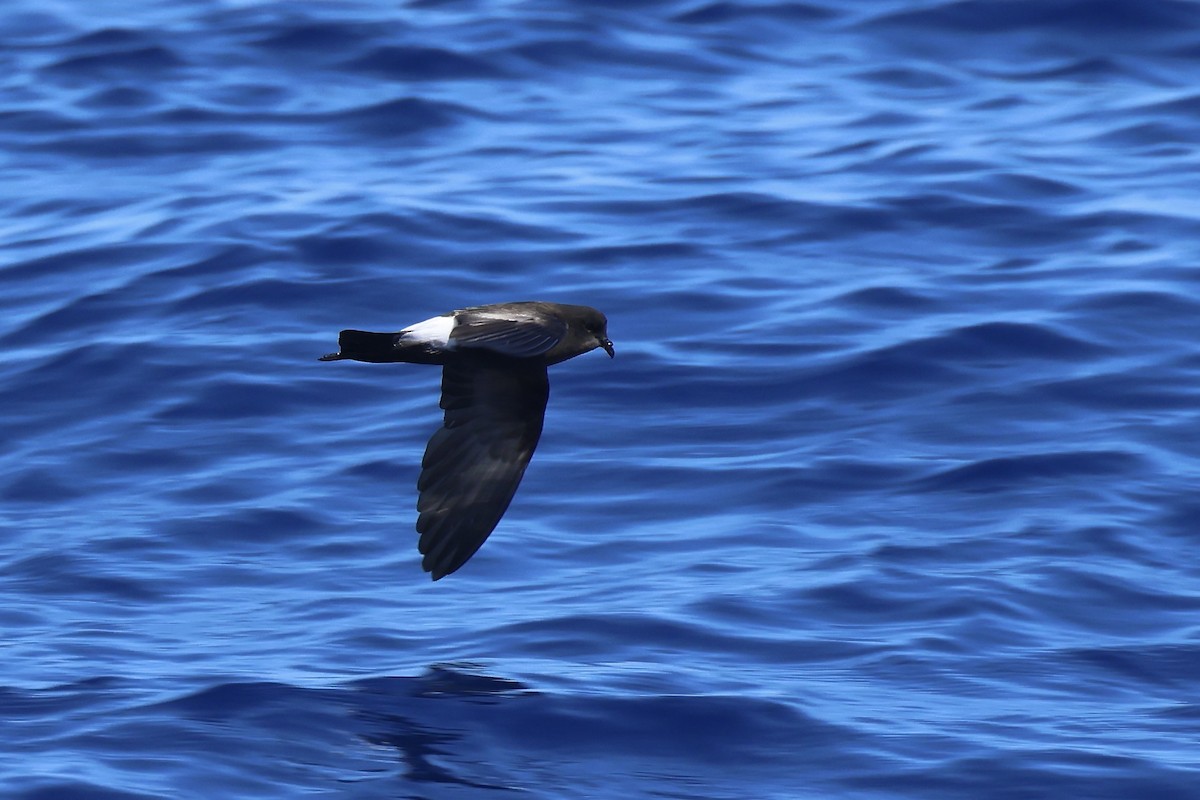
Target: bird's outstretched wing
x,y
517,336
473,464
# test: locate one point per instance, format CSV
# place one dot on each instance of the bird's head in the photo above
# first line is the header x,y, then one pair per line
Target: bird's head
x,y
596,324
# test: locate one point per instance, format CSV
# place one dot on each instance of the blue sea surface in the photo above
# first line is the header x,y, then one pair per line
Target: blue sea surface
x,y
890,492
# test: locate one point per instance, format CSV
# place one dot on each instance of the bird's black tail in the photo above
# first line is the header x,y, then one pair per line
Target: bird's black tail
x,y
378,348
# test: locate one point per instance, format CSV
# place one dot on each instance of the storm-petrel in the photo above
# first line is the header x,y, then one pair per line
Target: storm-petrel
x,y
494,391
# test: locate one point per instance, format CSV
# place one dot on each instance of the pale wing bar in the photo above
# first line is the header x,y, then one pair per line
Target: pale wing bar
x,y
516,338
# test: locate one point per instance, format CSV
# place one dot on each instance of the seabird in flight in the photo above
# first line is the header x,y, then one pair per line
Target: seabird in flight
x,y
494,391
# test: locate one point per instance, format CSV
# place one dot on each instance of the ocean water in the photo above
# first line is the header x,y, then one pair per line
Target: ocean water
x,y
890,492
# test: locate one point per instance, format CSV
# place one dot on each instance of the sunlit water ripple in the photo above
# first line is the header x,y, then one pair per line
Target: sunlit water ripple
x,y
890,491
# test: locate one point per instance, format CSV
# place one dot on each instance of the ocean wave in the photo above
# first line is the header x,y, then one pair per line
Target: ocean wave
x,y
887,492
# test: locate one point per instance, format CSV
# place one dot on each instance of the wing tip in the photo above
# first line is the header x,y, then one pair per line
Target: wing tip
x,y
439,570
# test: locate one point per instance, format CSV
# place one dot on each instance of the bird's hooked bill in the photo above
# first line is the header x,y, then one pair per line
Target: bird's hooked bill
x,y
608,347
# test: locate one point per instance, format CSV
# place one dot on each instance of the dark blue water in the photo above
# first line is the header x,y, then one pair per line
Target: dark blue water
x,y
891,491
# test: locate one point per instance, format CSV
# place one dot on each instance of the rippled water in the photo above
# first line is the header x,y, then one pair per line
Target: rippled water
x,y
890,491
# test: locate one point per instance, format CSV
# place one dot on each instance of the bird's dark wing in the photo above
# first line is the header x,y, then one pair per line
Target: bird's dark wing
x,y
494,410
523,336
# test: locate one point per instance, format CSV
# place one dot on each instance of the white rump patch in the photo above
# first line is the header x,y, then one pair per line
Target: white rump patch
x,y
433,332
